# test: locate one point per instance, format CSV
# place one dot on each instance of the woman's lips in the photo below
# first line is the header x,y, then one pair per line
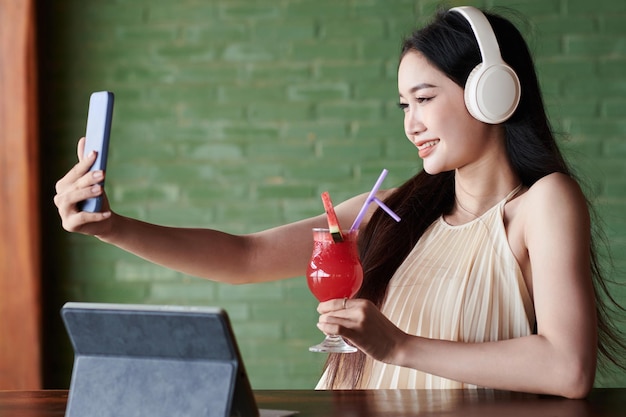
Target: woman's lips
x,y
425,148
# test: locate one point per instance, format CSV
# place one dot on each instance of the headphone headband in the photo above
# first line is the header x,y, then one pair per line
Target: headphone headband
x,y
487,42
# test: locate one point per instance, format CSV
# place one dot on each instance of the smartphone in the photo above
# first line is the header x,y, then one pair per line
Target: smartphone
x,y
97,136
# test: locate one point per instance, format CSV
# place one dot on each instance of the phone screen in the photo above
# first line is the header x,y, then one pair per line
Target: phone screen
x,y
97,136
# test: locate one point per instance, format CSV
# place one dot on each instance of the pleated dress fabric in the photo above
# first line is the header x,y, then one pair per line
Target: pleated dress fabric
x,y
459,283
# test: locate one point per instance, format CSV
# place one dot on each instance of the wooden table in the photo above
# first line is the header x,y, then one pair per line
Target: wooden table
x,y
388,403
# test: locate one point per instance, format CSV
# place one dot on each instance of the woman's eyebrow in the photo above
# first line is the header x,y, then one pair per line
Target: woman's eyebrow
x,y
418,87
421,87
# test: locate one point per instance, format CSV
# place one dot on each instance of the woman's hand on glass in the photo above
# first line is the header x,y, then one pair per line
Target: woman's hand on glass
x,y
362,323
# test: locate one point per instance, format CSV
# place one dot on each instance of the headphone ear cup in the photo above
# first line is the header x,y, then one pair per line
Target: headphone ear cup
x,y
492,93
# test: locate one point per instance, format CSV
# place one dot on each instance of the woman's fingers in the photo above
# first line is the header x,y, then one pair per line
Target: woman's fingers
x,y
78,185
78,172
363,324
80,149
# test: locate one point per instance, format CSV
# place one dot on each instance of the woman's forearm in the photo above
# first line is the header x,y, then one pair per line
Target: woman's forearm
x,y
528,364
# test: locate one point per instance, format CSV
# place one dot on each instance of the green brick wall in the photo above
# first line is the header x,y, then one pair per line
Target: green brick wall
x,y
237,114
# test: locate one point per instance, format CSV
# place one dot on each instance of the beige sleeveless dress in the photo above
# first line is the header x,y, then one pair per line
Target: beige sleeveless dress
x,y
459,283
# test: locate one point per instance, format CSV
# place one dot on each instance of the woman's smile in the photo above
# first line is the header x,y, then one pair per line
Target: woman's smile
x,y
425,148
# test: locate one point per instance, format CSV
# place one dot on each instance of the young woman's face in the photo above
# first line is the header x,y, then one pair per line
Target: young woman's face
x,y
436,120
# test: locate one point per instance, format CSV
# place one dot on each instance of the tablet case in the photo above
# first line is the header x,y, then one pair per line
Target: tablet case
x,y
158,361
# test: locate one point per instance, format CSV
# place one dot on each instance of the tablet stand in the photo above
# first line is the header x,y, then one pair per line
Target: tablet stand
x,y
154,363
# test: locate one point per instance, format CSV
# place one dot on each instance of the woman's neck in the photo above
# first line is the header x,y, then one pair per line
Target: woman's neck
x,y
476,193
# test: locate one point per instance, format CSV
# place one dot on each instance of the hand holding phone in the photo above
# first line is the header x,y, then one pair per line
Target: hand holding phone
x,y
97,136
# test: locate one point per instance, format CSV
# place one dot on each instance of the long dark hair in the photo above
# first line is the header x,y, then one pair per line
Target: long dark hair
x,y
449,44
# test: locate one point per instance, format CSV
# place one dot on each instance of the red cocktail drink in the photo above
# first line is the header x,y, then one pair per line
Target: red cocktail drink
x,y
334,272
335,269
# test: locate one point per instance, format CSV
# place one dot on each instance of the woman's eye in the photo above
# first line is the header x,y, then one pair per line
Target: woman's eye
x,y
421,100
403,106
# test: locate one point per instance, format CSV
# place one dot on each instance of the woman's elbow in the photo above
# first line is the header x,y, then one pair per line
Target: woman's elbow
x,y
577,380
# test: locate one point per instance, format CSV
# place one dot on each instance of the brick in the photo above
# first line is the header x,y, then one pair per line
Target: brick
x,y
210,192
271,150
109,293
333,28
251,132
586,7
582,149
612,67
247,10
190,292
615,148
142,33
319,91
380,89
382,50
614,108
142,271
567,67
377,9
598,128
213,151
607,88
312,131
254,51
141,192
218,111
281,30
218,29
317,9
301,312
316,50
567,108
210,74
280,112
427,8
295,210
187,52
261,330
559,25
284,191
106,13
196,215
613,24
248,292
280,71
162,12
248,93
614,188
530,9
249,214
595,46
351,71
322,170
346,150
242,172
366,111
547,47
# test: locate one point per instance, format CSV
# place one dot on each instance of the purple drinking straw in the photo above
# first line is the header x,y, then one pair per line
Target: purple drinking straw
x,y
372,197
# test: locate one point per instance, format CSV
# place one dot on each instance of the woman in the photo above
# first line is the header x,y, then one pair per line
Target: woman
x,y
495,200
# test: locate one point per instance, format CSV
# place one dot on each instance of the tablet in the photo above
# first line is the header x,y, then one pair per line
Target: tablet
x,y
158,361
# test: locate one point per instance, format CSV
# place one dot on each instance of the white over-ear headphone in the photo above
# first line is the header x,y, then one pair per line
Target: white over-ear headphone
x,y
492,90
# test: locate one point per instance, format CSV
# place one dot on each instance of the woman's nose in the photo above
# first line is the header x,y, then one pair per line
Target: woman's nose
x,y
413,124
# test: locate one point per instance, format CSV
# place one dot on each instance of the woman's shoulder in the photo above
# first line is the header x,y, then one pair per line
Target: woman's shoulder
x,y
555,195
555,188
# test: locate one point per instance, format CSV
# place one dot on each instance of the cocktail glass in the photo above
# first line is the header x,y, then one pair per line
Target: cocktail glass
x,y
334,272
